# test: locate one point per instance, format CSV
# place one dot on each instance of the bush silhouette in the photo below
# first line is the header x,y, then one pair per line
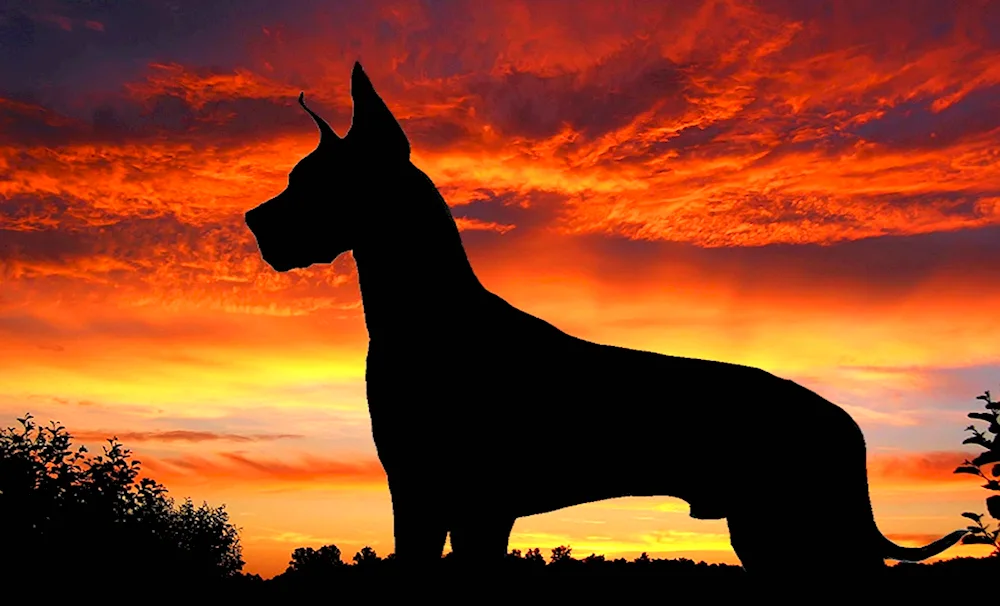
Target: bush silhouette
x,y
59,503
981,533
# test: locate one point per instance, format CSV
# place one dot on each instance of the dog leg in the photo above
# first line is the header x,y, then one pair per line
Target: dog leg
x,y
780,554
481,540
420,531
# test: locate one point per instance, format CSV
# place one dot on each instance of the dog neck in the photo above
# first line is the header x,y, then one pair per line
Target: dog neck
x,y
414,274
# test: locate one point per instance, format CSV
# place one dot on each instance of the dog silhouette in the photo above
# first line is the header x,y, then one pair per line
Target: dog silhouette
x,y
482,413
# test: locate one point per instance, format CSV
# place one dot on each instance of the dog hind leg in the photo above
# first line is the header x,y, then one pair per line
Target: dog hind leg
x,y
820,531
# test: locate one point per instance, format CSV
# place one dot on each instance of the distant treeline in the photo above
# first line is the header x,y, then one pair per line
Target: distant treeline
x,y
640,579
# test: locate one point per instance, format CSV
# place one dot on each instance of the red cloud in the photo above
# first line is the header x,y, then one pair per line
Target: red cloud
x,y
918,468
200,86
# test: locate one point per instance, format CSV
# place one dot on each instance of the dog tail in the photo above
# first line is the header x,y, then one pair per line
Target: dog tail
x,y
892,551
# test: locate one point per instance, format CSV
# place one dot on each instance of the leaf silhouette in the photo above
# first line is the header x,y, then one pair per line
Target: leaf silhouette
x,y
975,539
993,506
992,456
967,469
972,516
982,416
978,439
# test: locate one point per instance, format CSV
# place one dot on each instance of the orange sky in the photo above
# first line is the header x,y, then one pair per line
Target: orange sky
x,y
814,191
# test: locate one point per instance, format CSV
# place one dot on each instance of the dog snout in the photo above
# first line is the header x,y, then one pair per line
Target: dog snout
x,y
252,219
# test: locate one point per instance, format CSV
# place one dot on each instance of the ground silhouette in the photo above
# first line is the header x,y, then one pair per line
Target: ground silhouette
x,y
311,574
462,387
89,523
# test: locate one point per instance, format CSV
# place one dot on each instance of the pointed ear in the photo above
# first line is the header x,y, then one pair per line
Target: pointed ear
x,y
327,136
373,125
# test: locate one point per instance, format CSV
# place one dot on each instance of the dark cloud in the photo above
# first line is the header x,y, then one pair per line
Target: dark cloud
x,y
130,33
592,103
129,239
28,124
24,123
227,123
914,125
873,269
528,211
435,134
916,24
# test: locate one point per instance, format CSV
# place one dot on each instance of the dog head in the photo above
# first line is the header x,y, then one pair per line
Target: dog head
x,y
333,194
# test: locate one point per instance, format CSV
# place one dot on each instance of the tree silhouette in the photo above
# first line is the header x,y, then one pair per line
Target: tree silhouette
x,y
366,557
534,555
57,499
324,559
980,533
561,553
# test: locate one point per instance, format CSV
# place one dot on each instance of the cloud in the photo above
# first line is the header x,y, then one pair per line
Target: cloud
x,y
668,136
466,224
198,87
912,470
918,469
296,538
228,468
914,539
26,123
178,435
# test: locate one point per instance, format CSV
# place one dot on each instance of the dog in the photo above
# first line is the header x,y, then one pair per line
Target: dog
x,y
482,413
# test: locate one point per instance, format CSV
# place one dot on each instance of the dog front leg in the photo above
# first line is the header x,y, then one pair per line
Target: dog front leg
x,y
419,526
481,539
480,543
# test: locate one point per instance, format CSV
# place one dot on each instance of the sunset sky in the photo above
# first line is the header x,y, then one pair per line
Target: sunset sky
x,y
812,188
